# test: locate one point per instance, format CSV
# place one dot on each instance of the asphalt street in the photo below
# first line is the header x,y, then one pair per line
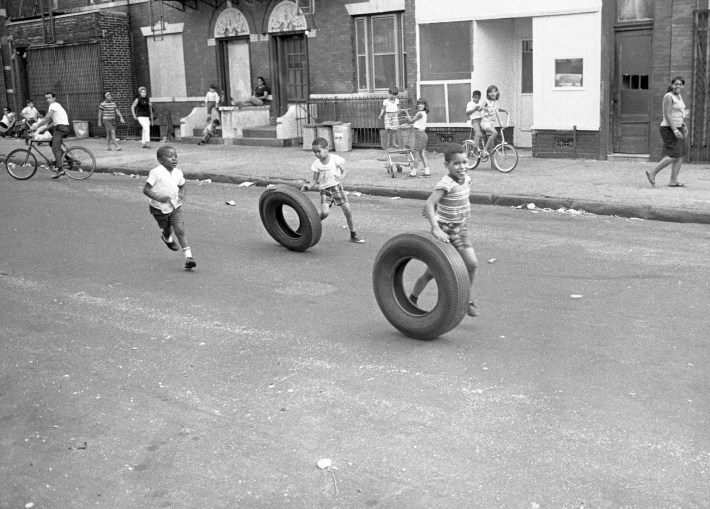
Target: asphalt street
x,y
126,381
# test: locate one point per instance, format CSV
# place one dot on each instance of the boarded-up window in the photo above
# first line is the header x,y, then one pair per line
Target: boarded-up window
x,y
446,51
633,10
167,66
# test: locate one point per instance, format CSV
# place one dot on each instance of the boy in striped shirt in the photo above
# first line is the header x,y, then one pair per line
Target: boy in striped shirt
x,y
447,209
108,111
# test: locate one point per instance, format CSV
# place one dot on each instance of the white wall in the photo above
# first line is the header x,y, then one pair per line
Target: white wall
x,y
493,64
428,11
569,36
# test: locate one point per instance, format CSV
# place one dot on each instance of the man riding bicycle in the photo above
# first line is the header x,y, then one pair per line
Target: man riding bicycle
x,y
58,120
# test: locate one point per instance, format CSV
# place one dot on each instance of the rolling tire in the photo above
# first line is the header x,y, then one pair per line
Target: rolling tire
x,y
271,205
450,275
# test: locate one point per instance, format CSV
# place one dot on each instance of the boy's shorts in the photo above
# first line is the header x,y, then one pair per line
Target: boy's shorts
x,y
108,124
458,235
334,193
391,121
169,220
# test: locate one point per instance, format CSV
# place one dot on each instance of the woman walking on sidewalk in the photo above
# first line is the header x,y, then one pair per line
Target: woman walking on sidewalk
x,y
673,132
142,112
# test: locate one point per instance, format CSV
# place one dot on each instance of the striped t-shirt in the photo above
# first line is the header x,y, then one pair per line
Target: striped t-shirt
x,y
109,110
454,206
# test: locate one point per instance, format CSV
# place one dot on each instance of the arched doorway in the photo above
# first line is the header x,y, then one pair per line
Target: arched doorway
x,y
287,30
231,34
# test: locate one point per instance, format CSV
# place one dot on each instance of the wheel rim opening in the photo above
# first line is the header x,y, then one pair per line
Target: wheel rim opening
x,y
429,296
288,220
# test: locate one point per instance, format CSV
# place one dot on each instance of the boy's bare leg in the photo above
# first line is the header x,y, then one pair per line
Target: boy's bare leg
x,y
348,216
420,284
469,258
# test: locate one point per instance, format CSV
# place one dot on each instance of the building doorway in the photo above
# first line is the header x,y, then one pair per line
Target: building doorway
x,y
235,69
631,92
291,81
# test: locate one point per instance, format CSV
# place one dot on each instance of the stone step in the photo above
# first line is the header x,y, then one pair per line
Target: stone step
x,y
198,132
268,142
195,139
262,131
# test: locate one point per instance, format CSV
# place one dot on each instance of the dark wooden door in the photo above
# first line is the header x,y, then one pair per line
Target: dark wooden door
x,y
632,94
292,58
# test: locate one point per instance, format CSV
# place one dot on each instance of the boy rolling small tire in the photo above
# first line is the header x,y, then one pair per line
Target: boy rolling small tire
x,y
450,273
271,205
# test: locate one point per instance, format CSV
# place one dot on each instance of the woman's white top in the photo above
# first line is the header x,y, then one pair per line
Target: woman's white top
x,y
677,111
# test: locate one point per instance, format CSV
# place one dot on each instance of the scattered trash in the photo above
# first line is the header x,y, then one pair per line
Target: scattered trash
x,y
206,181
345,227
530,206
394,198
247,184
230,202
28,505
576,296
118,173
270,185
356,193
83,447
492,260
326,464
135,176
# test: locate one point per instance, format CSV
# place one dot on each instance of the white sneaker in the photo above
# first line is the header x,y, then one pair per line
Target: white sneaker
x,y
427,172
413,173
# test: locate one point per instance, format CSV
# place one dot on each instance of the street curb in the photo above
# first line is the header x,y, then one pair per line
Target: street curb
x,y
649,212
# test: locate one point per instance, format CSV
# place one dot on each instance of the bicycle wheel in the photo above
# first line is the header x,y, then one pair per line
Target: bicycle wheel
x,y
79,163
21,164
473,154
504,158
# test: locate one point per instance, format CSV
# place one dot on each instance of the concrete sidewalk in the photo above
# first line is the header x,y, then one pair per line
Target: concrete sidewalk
x,y
614,187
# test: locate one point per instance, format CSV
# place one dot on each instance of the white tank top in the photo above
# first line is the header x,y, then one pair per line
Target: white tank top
x,y
420,123
677,111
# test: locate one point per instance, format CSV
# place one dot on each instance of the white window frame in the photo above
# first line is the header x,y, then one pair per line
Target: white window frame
x,y
399,53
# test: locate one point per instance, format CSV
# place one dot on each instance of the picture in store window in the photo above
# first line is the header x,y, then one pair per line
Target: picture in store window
x,y
569,73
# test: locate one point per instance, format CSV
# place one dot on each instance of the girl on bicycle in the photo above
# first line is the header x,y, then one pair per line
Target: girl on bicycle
x,y
418,122
490,117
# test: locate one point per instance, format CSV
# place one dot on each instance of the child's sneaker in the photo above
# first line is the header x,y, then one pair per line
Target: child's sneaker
x,y
472,309
172,244
59,174
357,240
190,263
427,172
413,173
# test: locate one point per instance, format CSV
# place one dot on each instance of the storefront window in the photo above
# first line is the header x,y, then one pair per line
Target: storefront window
x,y
569,73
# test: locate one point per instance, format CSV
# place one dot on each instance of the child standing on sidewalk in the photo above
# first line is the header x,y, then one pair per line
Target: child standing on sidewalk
x,y
390,109
447,209
209,131
328,172
418,122
166,189
108,111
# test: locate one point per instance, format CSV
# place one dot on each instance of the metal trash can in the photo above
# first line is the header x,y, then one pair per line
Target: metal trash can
x,y
309,134
81,128
342,137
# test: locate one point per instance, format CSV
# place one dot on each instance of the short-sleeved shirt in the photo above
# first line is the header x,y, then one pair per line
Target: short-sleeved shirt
x,y
108,109
59,114
478,113
455,205
212,97
166,182
30,113
328,174
391,106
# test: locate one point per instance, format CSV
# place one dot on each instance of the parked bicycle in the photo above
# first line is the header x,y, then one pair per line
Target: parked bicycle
x,y
504,156
79,162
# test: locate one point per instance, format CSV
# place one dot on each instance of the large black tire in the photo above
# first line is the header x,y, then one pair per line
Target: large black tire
x,y
450,275
271,211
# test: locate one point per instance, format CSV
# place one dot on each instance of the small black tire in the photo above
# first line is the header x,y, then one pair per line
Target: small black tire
x,y
399,169
271,205
450,274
